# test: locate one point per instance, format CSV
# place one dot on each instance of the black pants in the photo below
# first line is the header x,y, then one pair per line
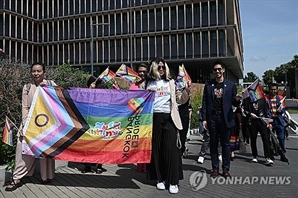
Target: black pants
x,y
166,162
219,131
183,132
258,126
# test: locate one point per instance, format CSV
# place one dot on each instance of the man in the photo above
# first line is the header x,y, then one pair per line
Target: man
x,y
276,110
217,115
255,110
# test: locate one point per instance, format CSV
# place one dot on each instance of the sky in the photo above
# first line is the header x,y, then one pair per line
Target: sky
x,y
269,33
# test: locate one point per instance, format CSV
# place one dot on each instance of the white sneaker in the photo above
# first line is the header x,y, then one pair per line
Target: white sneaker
x,y
269,161
160,186
254,160
201,160
173,189
220,158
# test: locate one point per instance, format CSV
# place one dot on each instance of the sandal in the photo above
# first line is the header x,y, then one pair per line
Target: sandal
x,y
13,185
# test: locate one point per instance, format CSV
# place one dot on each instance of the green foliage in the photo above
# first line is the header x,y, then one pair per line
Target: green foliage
x,y
196,102
268,77
284,73
67,76
250,77
14,76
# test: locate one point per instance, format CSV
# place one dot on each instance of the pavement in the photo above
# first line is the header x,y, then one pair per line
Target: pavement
x,y
248,179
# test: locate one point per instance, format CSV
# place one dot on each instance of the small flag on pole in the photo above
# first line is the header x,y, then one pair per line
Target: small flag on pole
x,y
254,91
182,77
127,73
107,75
7,132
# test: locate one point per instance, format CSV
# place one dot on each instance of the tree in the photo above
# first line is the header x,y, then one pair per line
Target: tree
x,y
250,77
268,76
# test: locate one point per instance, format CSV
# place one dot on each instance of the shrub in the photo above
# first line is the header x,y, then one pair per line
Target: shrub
x,y
196,102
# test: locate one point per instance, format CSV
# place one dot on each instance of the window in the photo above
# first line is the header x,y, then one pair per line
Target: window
x,y
145,20
145,48
188,16
197,45
173,18
212,13
159,46
166,45
151,21
166,20
138,21
83,6
158,20
55,30
118,24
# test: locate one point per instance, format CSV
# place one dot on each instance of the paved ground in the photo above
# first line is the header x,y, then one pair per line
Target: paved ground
x,y
125,181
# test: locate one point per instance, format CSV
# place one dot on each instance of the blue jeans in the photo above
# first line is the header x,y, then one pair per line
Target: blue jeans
x,y
218,129
280,133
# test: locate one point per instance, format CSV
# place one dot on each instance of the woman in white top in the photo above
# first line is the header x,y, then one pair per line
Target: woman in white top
x,y
166,162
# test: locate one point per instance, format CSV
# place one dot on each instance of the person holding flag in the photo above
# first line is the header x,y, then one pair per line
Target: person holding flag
x,y
276,110
256,109
25,164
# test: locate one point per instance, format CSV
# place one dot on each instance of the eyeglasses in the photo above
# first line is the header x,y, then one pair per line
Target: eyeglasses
x,y
161,67
215,69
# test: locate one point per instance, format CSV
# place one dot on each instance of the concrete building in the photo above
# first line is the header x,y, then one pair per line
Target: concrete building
x,y
193,32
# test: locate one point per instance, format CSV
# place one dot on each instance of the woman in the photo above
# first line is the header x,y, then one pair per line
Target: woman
x,y
166,162
25,164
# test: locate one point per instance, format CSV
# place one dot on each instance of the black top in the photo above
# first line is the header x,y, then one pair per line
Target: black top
x,y
218,94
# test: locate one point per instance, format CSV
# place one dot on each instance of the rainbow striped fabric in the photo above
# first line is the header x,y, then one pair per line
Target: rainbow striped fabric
x,y
127,73
7,137
254,91
91,125
107,75
182,77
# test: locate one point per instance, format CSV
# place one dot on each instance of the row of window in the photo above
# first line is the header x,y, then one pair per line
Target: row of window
x,y
189,45
58,8
152,20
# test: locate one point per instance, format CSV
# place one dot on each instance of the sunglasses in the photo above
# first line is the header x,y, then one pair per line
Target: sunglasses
x,y
215,69
161,67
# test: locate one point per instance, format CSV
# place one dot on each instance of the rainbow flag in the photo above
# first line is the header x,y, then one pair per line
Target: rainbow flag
x,y
179,82
127,73
254,91
107,75
182,77
7,132
90,125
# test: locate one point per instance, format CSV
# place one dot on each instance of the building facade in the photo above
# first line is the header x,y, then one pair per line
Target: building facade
x,y
100,33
